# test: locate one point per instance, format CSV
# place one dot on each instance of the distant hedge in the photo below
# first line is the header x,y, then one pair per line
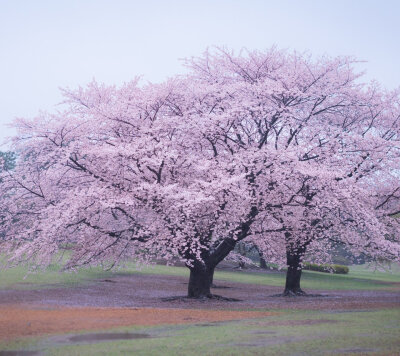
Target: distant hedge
x,y
338,269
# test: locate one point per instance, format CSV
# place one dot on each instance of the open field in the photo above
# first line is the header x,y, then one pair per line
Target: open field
x,y
96,312
359,277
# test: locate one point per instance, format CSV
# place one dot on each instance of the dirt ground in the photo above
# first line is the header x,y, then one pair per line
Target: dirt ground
x,y
141,291
18,321
137,300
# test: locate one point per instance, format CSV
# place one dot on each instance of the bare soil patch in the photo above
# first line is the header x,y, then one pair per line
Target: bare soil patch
x,y
17,321
155,291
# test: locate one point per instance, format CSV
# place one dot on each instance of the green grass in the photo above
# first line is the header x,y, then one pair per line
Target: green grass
x,y
392,275
374,332
19,278
359,277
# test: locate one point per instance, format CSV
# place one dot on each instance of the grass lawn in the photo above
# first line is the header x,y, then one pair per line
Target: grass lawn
x,y
18,277
292,332
359,277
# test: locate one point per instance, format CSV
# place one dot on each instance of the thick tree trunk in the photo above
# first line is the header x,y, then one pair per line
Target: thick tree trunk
x,y
293,274
201,278
202,273
212,280
263,263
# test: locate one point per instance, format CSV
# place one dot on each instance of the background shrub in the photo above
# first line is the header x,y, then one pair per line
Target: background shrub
x,y
338,269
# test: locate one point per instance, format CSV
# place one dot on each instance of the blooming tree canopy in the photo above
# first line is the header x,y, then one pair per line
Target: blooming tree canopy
x,y
273,147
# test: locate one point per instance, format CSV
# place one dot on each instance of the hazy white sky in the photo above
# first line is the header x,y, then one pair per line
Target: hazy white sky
x,y
45,45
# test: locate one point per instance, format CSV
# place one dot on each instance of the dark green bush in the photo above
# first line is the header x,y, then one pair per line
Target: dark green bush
x,y
338,269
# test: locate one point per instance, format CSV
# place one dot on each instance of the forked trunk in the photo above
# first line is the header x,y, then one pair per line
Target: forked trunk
x,y
201,278
201,273
293,274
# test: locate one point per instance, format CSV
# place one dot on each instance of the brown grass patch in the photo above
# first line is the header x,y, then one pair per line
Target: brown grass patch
x,y
17,321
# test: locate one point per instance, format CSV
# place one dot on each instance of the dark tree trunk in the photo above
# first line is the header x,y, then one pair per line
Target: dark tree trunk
x,y
293,274
200,281
263,263
212,280
202,272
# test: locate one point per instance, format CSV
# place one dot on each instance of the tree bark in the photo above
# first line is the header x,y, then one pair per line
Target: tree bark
x,y
263,263
201,278
202,272
293,274
212,280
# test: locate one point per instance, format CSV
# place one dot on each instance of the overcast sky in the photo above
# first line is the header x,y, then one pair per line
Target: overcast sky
x,y
45,45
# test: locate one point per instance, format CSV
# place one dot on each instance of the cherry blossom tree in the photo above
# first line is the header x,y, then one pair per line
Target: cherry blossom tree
x,y
263,146
334,131
370,176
